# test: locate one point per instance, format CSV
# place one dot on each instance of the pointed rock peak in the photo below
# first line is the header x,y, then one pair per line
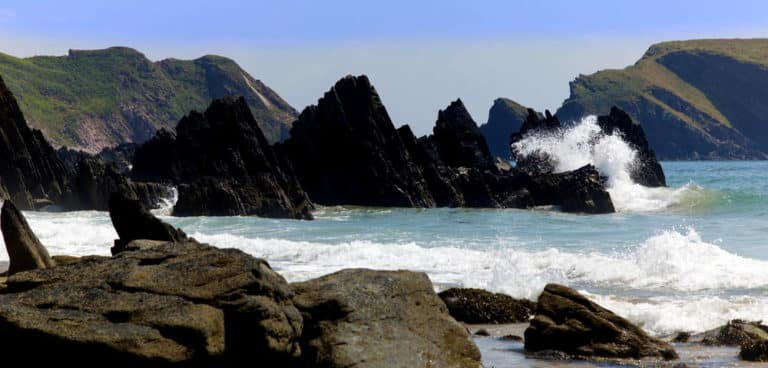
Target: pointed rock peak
x,y
24,248
133,222
455,114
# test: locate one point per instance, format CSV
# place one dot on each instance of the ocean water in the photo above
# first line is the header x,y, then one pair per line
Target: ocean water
x,y
688,257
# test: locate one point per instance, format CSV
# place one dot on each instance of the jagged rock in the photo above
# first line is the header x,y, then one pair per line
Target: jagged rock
x,y
24,249
736,333
346,151
367,319
480,306
223,166
133,222
504,118
535,123
581,190
30,173
755,351
568,322
172,304
92,181
121,156
459,141
647,170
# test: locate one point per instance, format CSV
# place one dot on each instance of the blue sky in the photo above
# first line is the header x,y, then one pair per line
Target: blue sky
x,y
419,54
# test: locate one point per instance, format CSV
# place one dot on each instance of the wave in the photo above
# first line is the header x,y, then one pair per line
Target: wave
x,y
584,143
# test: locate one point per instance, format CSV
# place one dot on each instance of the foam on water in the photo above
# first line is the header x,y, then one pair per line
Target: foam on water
x,y
584,143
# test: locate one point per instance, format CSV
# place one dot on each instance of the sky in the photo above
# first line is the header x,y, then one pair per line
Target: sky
x,y
420,55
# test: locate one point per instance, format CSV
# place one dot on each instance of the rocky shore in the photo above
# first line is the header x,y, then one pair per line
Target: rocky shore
x,y
343,151
164,299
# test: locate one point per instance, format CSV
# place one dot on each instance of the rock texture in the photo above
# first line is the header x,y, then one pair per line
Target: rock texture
x,y
483,307
647,171
121,156
223,166
568,322
169,304
504,118
30,173
736,333
346,151
367,319
24,249
133,222
92,99
582,190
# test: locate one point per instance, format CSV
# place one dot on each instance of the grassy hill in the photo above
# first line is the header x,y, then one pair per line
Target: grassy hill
x,y
98,98
695,99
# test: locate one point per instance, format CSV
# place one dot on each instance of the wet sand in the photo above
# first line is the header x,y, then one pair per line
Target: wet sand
x,y
500,352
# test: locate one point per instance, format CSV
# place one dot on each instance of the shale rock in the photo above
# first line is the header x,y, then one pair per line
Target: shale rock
x,y
171,304
346,151
222,155
30,173
24,249
647,170
367,318
483,307
568,322
133,222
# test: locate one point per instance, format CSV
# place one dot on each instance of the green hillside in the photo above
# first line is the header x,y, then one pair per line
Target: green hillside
x,y
98,98
695,99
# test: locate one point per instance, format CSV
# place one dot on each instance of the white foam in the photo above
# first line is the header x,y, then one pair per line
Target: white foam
x,y
584,143
166,204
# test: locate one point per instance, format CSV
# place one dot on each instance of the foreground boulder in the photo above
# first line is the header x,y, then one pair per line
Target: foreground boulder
x,y
24,249
133,222
484,307
366,319
159,304
568,322
222,165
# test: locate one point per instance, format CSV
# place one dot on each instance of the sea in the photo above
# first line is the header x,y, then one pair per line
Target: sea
x,y
686,257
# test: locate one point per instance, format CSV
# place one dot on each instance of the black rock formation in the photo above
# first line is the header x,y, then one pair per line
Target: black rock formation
x,y
346,151
222,165
581,190
121,156
459,141
647,170
30,173
504,118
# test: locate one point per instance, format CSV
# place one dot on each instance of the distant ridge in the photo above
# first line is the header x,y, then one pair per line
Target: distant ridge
x,y
696,99
91,99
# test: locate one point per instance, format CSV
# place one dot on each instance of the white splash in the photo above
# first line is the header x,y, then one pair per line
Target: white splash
x,y
584,143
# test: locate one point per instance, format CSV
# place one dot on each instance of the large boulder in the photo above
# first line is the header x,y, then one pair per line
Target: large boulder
x,y
133,222
222,154
24,249
568,322
159,304
346,151
485,307
366,319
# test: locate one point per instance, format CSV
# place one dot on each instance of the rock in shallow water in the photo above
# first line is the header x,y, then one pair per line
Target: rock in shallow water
x,y
366,319
480,306
24,249
568,322
133,222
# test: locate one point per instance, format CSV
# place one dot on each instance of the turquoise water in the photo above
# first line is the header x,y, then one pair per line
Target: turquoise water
x,y
691,261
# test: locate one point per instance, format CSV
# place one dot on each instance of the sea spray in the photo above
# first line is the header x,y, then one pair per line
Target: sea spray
x,y
583,143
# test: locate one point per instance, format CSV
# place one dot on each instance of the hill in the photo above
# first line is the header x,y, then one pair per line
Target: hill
x,y
697,99
98,98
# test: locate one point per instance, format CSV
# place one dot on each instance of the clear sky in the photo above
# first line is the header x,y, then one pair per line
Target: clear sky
x,y
419,54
